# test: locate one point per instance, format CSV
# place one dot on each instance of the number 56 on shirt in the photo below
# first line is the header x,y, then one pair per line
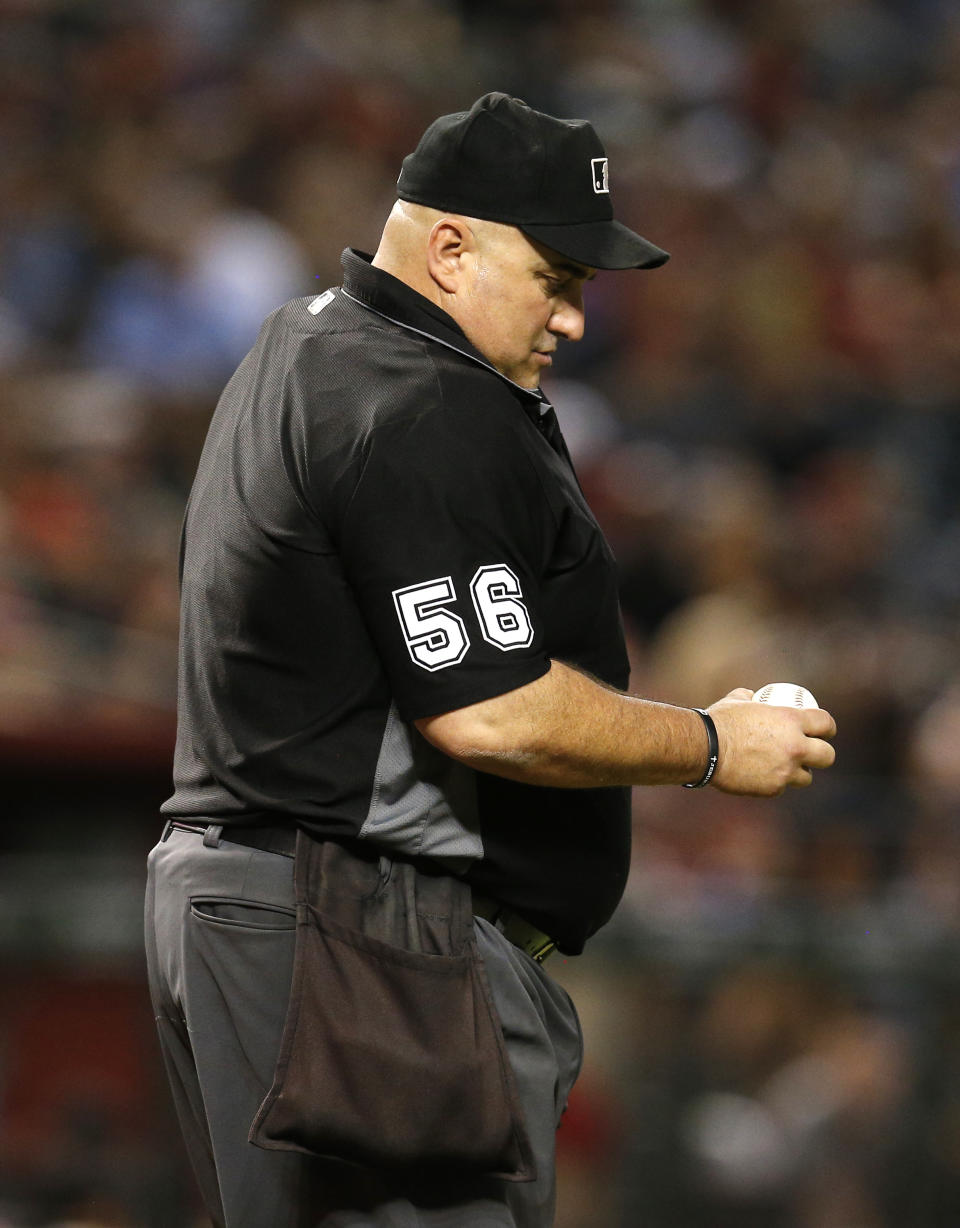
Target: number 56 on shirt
x,y
436,636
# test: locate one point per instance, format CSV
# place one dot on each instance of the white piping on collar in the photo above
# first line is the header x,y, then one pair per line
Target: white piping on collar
x,y
534,392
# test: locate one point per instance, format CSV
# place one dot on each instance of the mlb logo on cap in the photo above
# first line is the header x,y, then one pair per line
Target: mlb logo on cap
x,y
601,174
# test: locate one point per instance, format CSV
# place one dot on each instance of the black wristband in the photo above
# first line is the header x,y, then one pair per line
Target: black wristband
x,y
713,750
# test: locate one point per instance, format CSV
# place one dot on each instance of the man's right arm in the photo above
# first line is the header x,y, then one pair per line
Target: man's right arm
x,y
567,730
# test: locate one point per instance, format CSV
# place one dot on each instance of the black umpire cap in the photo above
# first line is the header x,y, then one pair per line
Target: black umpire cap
x,y
506,162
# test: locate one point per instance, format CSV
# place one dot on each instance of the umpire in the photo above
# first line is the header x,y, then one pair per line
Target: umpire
x,y
404,748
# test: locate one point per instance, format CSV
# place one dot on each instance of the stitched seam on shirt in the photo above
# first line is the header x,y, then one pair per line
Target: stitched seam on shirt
x,y
447,344
379,426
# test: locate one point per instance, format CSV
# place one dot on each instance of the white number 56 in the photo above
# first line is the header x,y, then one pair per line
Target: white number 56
x,y
437,637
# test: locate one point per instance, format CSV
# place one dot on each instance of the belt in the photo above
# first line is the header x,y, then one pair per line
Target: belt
x,y
278,839
283,840
538,945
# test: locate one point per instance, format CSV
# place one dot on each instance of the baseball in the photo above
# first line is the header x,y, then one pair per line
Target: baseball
x,y
785,695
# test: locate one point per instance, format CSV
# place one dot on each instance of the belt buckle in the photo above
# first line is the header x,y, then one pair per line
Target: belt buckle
x,y
540,947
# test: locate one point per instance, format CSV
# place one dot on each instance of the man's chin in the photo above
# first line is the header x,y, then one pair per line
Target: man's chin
x,y
527,376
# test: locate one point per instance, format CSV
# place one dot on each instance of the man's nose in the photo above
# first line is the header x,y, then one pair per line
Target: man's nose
x,y
568,321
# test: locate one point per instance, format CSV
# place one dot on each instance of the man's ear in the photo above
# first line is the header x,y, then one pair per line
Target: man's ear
x,y
449,242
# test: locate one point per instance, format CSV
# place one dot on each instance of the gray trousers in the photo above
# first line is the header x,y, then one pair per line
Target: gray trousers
x,y
220,926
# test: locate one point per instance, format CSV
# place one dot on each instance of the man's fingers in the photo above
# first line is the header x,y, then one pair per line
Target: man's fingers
x,y
819,754
818,723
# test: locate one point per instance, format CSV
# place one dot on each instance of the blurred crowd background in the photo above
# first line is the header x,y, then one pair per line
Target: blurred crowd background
x,y
768,430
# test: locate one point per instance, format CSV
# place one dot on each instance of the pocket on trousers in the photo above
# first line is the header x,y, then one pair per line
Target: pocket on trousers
x,y
390,1058
569,1057
242,914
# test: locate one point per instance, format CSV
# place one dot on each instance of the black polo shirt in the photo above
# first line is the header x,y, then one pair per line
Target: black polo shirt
x,y
382,528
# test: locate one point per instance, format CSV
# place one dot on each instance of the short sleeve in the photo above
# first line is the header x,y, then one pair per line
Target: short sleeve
x,y
443,541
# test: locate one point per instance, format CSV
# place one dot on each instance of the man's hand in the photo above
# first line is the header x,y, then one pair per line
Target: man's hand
x,y
765,749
